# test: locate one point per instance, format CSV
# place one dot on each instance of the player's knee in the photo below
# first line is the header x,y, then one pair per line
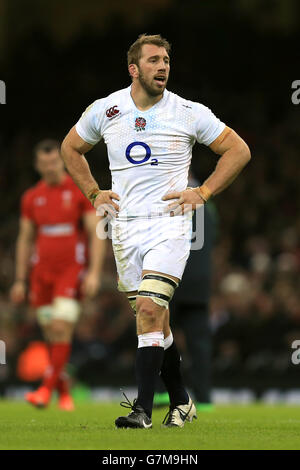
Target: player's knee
x,y
66,309
60,330
149,314
159,288
64,316
145,308
59,327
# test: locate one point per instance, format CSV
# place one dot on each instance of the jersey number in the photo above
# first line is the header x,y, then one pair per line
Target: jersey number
x,y
154,161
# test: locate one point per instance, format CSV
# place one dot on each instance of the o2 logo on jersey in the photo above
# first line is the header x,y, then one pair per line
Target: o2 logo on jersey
x,y
154,161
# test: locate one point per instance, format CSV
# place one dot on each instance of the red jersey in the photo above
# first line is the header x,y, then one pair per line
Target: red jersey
x,y
56,211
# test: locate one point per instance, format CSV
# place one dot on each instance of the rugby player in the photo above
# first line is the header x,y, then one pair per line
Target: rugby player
x,y
149,132
57,219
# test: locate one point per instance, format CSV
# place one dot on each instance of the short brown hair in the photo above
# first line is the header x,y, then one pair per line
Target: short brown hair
x,y
135,50
47,146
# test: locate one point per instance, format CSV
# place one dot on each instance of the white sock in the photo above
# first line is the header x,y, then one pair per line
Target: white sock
x,y
151,339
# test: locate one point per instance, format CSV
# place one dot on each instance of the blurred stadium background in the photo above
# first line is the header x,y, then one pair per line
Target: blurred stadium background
x,y
240,59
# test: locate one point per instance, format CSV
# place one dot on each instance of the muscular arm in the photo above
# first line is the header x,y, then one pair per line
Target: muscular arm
x,y
235,154
72,152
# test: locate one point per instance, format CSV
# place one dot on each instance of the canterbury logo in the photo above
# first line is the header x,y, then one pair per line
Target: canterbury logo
x,y
112,112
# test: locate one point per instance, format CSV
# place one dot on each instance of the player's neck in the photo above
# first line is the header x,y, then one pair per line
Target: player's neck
x,y
142,100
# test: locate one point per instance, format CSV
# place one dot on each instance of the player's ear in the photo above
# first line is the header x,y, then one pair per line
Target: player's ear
x,y
133,70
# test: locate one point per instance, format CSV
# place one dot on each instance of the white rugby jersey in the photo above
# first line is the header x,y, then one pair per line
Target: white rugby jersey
x,y
149,151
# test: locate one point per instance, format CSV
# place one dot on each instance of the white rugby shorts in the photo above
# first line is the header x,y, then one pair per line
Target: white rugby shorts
x,y
158,244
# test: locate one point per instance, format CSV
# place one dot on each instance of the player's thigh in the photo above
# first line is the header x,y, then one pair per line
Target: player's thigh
x,y
163,267
169,246
125,244
41,295
68,280
168,257
66,295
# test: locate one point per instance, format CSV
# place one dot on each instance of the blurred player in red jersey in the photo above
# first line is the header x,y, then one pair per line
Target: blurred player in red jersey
x,y
55,218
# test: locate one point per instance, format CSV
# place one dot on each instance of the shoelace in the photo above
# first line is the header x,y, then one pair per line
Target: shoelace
x,y
170,418
127,403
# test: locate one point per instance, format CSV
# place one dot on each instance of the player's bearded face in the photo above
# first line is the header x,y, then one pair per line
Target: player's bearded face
x,y
153,86
153,68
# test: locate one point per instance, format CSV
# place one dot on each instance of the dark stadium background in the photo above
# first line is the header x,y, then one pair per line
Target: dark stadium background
x,y
239,58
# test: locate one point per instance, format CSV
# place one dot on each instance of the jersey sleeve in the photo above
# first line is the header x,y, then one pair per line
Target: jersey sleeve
x,y
27,206
89,125
208,126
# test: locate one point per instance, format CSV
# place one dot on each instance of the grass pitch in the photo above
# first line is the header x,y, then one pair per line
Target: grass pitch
x,y
91,426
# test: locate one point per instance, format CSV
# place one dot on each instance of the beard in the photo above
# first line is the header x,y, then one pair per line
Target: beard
x,y
150,89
